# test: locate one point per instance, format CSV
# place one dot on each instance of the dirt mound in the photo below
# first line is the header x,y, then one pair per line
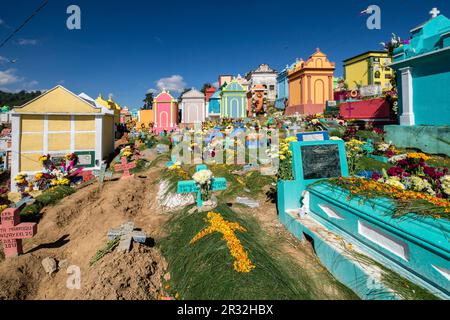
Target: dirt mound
x,y
111,278
75,229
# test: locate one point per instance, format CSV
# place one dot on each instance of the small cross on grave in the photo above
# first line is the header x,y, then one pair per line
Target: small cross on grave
x,y
12,232
102,174
126,233
125,166
218,184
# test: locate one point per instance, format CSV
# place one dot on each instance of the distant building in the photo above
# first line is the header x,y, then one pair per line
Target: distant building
x,y
283,88
233,102
224,79
214,110
368,69
310,85
165,108
111,105
193,107
264,75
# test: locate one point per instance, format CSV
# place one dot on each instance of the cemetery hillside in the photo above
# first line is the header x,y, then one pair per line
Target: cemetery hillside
x,y
326,180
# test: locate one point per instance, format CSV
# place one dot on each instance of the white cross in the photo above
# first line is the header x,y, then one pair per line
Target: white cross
x,y
434,12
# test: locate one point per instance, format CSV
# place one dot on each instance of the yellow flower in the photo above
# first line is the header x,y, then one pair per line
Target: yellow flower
x,y
217,224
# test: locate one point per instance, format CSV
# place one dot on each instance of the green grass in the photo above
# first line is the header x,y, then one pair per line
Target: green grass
x,y
47,198
109,247
371,164
204,270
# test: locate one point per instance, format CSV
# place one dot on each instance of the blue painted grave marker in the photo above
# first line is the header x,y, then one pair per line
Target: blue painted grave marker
x,y
218,184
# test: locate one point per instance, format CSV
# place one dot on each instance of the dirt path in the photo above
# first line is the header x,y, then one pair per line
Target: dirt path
x,y
75,229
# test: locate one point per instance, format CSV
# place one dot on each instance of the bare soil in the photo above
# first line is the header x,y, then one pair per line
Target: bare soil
x,y
75,229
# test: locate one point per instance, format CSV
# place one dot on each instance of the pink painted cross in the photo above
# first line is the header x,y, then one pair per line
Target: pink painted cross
x,y
350,109
12,232
125,167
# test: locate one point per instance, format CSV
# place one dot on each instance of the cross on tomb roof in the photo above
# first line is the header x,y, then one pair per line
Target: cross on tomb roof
x,y
434,12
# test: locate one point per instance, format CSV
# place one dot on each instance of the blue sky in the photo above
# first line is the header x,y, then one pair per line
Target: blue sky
x,y
128,47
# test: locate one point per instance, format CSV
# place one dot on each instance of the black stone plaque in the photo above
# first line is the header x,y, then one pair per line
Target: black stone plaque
x,y
321,162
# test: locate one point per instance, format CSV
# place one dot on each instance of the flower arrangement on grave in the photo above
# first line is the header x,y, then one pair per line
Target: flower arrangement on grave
x,y
217,223
385,149
285,155
406,201
22,182
127,152
355,152
203,180
413,173
4,201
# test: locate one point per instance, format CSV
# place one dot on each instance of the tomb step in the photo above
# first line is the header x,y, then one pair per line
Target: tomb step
x,y
344,259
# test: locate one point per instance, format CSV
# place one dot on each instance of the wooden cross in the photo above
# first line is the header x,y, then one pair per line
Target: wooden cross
x,y
102,174
218,184
126,233
125,167
12,232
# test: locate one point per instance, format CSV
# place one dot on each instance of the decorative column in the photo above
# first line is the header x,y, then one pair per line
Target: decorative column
x,y
407,117
309,90
15,148
330,89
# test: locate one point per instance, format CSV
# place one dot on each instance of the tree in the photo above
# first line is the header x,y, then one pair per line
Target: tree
x,y
184,91
148,101
17,99
206,86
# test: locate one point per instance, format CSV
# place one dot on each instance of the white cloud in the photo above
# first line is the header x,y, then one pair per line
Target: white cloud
x,y
173,83
151,90
8,77
27,42
3,60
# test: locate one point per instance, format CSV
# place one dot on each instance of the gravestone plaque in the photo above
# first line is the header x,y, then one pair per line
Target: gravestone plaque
x,y
321,162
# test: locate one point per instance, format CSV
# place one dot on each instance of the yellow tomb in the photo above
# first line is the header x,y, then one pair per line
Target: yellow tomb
x,y
146,119
370,68
111,105
59,122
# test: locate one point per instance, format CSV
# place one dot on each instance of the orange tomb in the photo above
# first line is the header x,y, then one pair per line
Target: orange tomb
x,y
310,85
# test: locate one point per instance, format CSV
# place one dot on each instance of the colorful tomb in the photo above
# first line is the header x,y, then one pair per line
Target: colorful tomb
x,y
165,107
310,85
352,237
257,99
193,108
214,110
59,122
264,76
367,69
111,105
282,88
146,119
372,110
233,102
423,68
